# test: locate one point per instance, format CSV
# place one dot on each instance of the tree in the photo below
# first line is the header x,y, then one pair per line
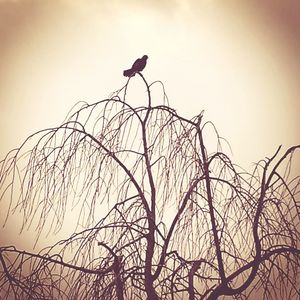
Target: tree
x,y
183,221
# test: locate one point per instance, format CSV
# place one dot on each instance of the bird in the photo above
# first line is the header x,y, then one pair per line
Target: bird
x,y
137,66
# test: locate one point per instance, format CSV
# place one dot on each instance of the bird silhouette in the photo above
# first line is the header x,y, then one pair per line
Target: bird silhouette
x,y
137,66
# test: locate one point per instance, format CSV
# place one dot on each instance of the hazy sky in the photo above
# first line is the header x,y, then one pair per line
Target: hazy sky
x,y
237,60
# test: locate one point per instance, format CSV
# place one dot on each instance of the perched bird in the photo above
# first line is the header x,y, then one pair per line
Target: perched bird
x,y
138,66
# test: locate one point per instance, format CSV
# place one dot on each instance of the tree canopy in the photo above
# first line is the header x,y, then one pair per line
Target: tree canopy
x,y
164,213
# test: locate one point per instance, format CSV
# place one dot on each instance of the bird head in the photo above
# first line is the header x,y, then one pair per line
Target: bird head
x,y
145,57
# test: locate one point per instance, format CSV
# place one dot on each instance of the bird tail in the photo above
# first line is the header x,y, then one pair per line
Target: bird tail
x,y
128,73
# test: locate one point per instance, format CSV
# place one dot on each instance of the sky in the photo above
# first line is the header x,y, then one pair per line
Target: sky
x,y
238,60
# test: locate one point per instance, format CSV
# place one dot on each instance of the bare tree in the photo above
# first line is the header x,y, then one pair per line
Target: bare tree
x,y
183,221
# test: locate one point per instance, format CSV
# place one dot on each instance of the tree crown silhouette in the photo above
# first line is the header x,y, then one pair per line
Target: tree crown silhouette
x,y
183,220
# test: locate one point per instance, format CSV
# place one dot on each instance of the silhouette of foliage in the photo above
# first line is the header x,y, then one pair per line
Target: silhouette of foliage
x,y
183,221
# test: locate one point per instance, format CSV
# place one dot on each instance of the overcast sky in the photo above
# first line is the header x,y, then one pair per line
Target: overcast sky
x,y
237,60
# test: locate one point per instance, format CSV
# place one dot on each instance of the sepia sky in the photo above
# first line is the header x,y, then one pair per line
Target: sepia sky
x,y
237,60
